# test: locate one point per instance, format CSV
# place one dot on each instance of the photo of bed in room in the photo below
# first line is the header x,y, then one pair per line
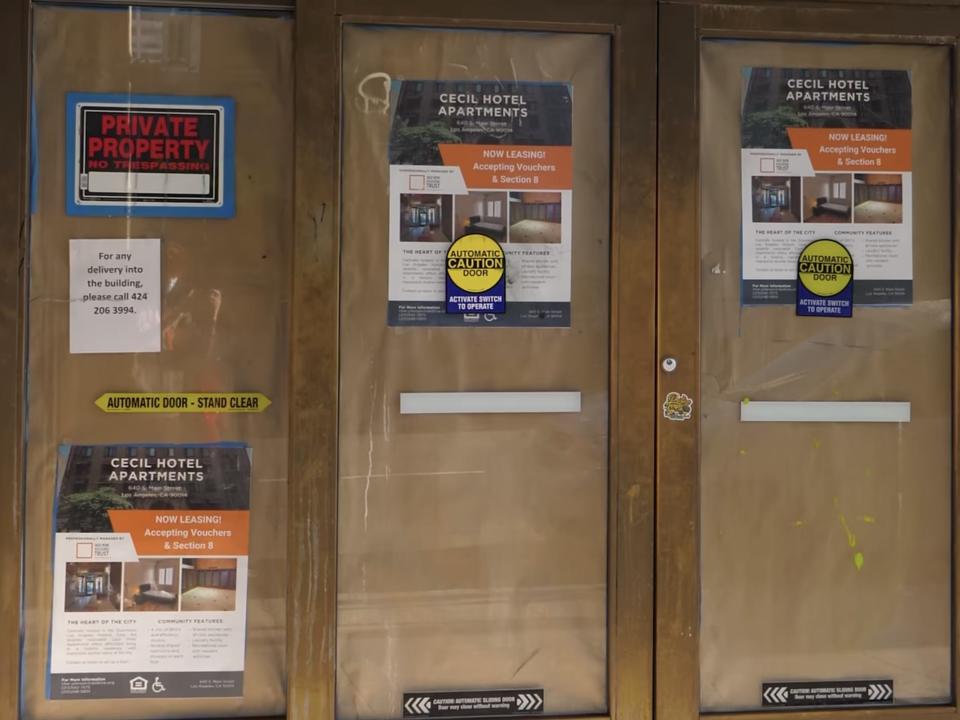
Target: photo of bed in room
x,y
878,198
534,217
827,198
481,212
151,585
93,587
209,584
426,218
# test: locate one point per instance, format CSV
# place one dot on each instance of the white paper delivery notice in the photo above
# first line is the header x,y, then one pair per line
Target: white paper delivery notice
x,y
115,295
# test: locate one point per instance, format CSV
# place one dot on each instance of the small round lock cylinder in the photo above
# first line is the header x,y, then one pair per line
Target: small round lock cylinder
x,y
669,364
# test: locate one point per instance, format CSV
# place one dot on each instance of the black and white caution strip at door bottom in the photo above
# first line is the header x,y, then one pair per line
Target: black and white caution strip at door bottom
x,y
829,692
473,703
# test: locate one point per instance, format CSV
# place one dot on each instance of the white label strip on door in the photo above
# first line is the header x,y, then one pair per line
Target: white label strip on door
x,y
160,183
448,403
764,411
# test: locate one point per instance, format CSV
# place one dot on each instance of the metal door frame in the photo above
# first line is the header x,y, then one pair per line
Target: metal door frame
x,y
682,27
13,208
313,430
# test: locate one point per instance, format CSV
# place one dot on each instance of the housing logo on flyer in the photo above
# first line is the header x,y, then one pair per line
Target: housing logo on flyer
x,y
481,158
150,571
155,156
826,154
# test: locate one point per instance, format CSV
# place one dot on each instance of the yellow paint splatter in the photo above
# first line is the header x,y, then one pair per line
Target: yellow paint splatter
x,y
798,523
858,560
851,538
816,443
869,519
746,401
742,451
836,393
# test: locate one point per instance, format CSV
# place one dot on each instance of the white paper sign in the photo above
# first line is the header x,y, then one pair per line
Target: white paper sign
x,y
115,295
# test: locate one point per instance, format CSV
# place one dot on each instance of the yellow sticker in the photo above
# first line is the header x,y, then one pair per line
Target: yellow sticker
x,y
825,267
188,402
475,263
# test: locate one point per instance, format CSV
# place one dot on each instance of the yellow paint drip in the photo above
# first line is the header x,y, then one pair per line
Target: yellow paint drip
x,y
858,560
851,538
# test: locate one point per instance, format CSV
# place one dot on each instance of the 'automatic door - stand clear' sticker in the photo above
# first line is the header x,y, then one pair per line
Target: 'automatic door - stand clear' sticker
x,y
476,276
825,280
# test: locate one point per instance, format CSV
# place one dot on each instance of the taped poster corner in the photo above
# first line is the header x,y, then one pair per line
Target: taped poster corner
x,y
495,160
150,155
826,154
150,570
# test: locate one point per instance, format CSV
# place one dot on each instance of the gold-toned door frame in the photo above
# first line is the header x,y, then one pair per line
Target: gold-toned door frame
x,y
683,25
13,208
312,555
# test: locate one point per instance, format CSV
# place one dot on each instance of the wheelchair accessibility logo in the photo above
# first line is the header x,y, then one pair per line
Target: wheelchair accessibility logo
x,y
139,686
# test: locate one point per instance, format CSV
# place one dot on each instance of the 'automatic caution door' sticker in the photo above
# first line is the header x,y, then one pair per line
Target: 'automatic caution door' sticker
x,y
825,280
476,276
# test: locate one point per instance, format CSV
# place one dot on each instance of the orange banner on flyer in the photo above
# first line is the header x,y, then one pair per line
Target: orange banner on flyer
x,y
855,150
512,167
175,532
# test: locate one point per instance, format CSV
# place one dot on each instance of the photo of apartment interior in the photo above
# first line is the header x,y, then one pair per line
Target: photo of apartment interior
x,y
209,584
93,587
827,198
482,212
151,585
878,198
534,217
426,218
776,199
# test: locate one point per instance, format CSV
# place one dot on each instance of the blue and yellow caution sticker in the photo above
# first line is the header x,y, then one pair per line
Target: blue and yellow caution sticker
x,y
476,275
183,402
825,280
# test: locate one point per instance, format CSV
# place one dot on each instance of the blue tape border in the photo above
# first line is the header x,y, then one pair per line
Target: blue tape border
x,y
229,205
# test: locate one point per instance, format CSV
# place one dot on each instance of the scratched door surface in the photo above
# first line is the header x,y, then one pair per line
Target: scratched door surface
x,y
472,548
825,546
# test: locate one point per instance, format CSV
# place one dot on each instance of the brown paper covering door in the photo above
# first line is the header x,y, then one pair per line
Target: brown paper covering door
x,y
472,548
242,263
786,507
